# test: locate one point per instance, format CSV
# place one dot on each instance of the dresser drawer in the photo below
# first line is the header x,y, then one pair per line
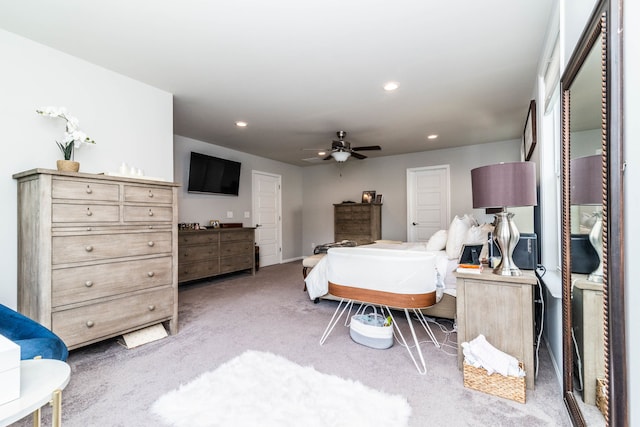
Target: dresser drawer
x,y
236,248
96,321
198,237
91,247
197,270
235,263
147,213
78,284
228,236
150,194
192,253
74,213
84,190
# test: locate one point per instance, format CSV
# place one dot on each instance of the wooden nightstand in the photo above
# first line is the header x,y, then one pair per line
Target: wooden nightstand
x,y
587,322
500,308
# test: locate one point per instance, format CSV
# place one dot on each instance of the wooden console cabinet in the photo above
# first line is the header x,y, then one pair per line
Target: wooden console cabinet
x,y
500,308
360,222
97,255
211,252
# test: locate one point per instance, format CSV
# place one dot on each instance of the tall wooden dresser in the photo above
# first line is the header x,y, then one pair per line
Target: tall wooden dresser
x,y
360,222
97,255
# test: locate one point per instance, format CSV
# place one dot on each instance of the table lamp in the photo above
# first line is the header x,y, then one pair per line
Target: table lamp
x,y
585,181
500,186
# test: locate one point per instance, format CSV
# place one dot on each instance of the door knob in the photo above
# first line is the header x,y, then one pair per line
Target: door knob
x,y
414,223
258,225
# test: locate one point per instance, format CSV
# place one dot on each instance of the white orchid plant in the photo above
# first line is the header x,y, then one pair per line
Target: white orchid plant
x,y
73,136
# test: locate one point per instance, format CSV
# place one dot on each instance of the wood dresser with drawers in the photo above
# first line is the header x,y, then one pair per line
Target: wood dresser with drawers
x,y
97,255
215,251
360,222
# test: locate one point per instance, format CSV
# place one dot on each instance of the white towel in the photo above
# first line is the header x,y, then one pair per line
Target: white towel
x,y
480,353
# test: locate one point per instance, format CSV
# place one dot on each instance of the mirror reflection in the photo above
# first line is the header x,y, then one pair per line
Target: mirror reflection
x,y
586,195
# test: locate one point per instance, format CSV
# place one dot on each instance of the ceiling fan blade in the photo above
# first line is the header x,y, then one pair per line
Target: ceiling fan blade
x,y
367,148
358,155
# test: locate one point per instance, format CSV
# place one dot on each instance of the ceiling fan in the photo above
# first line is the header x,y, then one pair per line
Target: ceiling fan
x,y
341,150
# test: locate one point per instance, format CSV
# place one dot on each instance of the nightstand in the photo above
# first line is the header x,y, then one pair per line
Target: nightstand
x,y
500,308
587,316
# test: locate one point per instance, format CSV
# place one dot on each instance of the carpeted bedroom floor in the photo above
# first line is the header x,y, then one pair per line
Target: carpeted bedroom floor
x,y
220,319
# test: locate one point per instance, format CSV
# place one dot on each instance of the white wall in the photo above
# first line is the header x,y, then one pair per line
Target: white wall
x,y
130,121
202,208
631,94
325,185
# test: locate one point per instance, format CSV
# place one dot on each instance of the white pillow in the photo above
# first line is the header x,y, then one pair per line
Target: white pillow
x,y
456,235
438,241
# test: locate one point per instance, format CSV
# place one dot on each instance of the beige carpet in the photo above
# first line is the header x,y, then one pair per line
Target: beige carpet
x,y
113,386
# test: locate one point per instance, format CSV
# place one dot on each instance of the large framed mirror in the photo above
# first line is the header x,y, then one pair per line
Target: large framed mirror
x,y
594,377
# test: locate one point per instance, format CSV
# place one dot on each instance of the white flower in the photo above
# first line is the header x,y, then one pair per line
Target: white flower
x,y
73,136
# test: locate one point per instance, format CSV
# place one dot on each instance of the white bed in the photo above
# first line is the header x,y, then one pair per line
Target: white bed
x,y
318,285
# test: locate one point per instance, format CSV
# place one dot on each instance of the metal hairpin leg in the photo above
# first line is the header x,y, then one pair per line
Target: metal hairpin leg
x,y
422,367
335,319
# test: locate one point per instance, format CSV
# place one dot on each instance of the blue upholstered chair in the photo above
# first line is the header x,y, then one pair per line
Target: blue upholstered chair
x,y
33,338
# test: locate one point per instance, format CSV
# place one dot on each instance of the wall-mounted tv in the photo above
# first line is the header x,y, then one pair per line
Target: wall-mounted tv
x,y
208,174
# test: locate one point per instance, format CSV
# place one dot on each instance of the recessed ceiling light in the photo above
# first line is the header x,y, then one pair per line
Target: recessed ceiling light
x,y
322,153
432,136
241,124
391,86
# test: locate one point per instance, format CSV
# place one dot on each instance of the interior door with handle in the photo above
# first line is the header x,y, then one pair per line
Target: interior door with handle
x,y
427,201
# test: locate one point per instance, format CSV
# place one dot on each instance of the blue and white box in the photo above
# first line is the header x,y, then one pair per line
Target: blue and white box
x,y
9,370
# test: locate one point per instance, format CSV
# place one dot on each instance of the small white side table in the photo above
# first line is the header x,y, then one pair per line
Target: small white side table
x,y
41,381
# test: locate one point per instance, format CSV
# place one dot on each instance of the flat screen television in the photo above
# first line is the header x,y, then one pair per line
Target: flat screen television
x,y
208,174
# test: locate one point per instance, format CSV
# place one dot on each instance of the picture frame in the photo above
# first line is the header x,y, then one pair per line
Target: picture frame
x,y
470,254
368,196
379,199
214,223
529,134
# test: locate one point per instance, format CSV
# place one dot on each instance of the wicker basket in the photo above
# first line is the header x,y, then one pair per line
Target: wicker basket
x,y
513,388
601,396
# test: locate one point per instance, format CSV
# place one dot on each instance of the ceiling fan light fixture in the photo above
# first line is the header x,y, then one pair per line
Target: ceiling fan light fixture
x,y
340,156
241,124
391,86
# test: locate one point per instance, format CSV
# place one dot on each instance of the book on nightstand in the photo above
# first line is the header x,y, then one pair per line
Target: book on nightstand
x,y
470,268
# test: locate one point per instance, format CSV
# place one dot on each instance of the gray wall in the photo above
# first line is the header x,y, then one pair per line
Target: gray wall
x,y
204,207
325,185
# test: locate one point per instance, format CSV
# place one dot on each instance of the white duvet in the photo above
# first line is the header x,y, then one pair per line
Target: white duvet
x,y
318,284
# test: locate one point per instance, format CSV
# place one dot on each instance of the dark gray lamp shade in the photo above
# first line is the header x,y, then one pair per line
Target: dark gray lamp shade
x,y
504,184
586,180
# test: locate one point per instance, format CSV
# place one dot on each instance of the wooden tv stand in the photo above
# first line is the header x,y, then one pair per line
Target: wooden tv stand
x,y
212,252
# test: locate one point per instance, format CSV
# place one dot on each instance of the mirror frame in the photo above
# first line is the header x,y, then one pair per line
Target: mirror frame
x,y
606,15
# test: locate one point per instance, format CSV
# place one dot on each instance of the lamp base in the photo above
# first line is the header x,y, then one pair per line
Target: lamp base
x,y
595,237
506,235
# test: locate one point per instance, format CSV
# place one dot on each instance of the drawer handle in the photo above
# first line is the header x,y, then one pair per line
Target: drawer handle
x,y
90,323
151,307
89,190
150,244
89,248
151,274
88,228
89,213
150,193
150,213
88,283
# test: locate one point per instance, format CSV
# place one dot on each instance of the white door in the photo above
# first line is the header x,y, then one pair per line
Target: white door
x,y
266,216
428,202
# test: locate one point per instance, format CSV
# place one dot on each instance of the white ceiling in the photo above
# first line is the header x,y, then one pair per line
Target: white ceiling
x,y
298,71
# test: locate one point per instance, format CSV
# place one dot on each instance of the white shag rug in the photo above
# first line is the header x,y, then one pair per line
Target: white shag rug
x,y
263,389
